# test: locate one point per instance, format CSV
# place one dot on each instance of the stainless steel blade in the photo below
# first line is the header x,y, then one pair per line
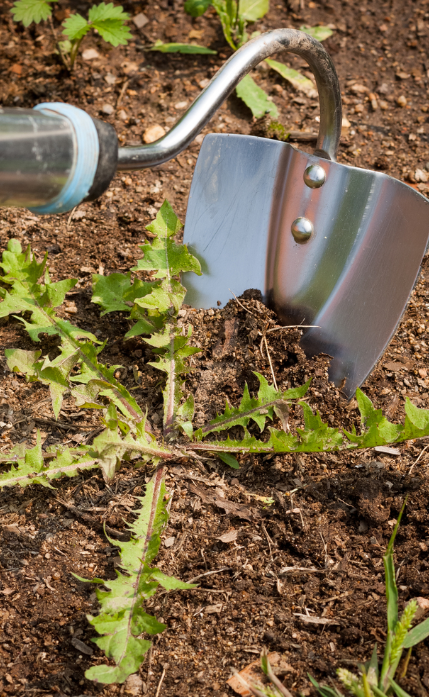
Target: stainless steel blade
x,y
352,277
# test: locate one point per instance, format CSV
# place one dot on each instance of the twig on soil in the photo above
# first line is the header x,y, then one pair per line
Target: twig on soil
x,y
121,94
294,326
299,569
241,305
149,663
264,339
415,463
158,689
208,573
268,539
70,218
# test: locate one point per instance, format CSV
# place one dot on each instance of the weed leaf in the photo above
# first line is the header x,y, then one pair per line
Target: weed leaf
x,y
320,32
182,48
255,98
196,8
251,10
28,11
300,82
122,619
75,27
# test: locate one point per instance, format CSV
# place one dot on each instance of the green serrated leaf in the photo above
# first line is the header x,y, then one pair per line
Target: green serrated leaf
x,y
108,291
75,27
122,618
196,8
109,20
319,32
300,82
28,11
255,98
30,467
165,256
257,409
182,48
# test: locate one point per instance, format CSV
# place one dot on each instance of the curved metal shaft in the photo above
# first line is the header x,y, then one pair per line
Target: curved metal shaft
x,y
222,84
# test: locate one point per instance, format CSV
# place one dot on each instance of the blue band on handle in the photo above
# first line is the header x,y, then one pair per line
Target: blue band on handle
x,y
85,163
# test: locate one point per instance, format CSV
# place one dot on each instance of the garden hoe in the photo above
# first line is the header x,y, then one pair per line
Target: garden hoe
x,y
326,244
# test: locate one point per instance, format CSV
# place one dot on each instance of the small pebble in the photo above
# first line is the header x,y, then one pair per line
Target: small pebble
x,y
90,54
140,20
401,101
107,109
153,133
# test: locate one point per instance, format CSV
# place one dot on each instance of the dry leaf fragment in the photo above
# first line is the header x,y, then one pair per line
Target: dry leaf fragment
x,y
422,609
134,685
230,536
231,508
251,674
386,450
169,542
211,609
394,366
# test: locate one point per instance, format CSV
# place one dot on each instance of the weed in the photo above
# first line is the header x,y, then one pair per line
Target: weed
x,y
153,306
107,20
235,17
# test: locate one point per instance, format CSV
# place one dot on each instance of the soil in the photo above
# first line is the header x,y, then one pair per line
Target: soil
x,y
316,551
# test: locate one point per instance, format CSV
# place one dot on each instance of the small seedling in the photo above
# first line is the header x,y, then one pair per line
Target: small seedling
x,y
374,680
235,18
106,20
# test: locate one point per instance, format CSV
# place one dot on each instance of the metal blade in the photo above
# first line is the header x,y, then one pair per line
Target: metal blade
x,y
352,277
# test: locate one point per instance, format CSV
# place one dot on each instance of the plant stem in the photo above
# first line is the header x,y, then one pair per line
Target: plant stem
x,y
57,44
366,687
73,52
406,662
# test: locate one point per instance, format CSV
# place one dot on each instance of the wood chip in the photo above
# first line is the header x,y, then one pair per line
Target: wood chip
x,y
315,620
299,569
169,542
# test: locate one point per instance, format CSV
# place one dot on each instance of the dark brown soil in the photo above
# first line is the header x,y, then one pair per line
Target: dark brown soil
x,y
331,512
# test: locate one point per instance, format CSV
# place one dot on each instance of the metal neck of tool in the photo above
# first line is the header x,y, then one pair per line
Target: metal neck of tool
x,y
228,77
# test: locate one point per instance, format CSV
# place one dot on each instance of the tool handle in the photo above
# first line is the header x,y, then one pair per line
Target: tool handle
x,y
228,77
53,157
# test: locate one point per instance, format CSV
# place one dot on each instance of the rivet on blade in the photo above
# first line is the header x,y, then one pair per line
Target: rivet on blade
x,y
302,229
314,176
